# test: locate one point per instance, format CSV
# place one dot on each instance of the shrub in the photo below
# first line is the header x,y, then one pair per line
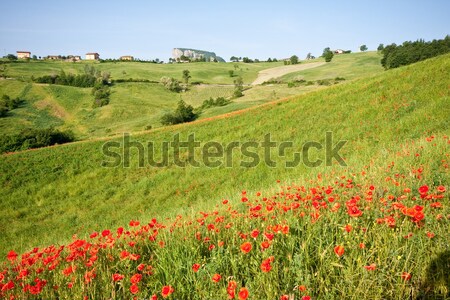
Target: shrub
x,y
34,138
182,114
171,84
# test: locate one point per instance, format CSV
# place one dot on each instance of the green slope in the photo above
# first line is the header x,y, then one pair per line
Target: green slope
x,y
55,192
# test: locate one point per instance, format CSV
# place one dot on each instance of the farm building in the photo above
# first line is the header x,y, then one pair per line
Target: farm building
x,y
92,56
127,57
23,54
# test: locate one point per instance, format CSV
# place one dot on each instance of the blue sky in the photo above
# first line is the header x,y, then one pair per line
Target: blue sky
x,y
257,29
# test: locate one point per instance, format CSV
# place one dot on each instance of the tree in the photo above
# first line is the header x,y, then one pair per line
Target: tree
x,y
308,56
231,73
325,51
363,48
186,76
183,113
380,47
238,87
328,54
234,59
11,57
269,60
294,59
170,83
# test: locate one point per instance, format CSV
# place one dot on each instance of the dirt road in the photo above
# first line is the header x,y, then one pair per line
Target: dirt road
x,y
268,74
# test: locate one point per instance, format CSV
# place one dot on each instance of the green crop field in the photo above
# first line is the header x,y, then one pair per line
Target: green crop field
x,y
378,219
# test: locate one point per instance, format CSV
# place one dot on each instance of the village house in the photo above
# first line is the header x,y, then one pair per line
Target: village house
x,y
53,57
338,51
127,57
23,54
73,58
92,56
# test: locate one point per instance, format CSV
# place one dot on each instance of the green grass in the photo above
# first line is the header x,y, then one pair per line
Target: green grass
x,y
49,194
348,66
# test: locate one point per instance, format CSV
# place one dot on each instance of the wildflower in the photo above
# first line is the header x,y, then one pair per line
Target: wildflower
x,y
136,278
339,250
406,276
216,277
348,228
231,289
255,233
134,289
243,294
11,256
302,288
371,267
117,277
166,291
246,247
423,189
284,297
265,265
196,267
441,189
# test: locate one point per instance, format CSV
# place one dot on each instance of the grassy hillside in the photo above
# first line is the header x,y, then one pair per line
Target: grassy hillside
x,y
349,66
48,194
380,218
135,106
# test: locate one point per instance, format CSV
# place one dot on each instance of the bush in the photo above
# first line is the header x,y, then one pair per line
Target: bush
x,y
182,114
171,84
8,104
34,138
220,101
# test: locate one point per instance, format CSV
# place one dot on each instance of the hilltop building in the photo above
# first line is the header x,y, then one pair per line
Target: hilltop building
x,y
127,57
23,54
53,57
338,51
92,56
73,58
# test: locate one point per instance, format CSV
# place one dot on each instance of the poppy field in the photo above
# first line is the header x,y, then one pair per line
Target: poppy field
x,y
376,227
381,232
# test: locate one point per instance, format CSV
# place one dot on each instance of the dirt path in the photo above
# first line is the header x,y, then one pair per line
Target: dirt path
x,y
268,74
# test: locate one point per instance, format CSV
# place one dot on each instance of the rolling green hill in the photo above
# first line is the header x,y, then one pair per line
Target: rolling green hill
x,y
135,106
51,193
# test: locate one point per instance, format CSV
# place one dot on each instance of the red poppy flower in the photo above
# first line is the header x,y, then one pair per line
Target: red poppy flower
x,y
302,288
371,267
166,291
196,267
284,297
254,234
231,289
246,247
348,227
406,276
441,188
136,278
134,223
306,298
423,189
265,265
106,232
216,277
117,277
11,256
243,294
134,289
339,250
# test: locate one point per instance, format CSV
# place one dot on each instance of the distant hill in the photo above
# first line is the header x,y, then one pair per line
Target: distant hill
x,y
195,54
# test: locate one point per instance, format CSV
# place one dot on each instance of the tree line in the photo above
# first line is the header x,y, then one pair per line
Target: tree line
x,y
395,56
